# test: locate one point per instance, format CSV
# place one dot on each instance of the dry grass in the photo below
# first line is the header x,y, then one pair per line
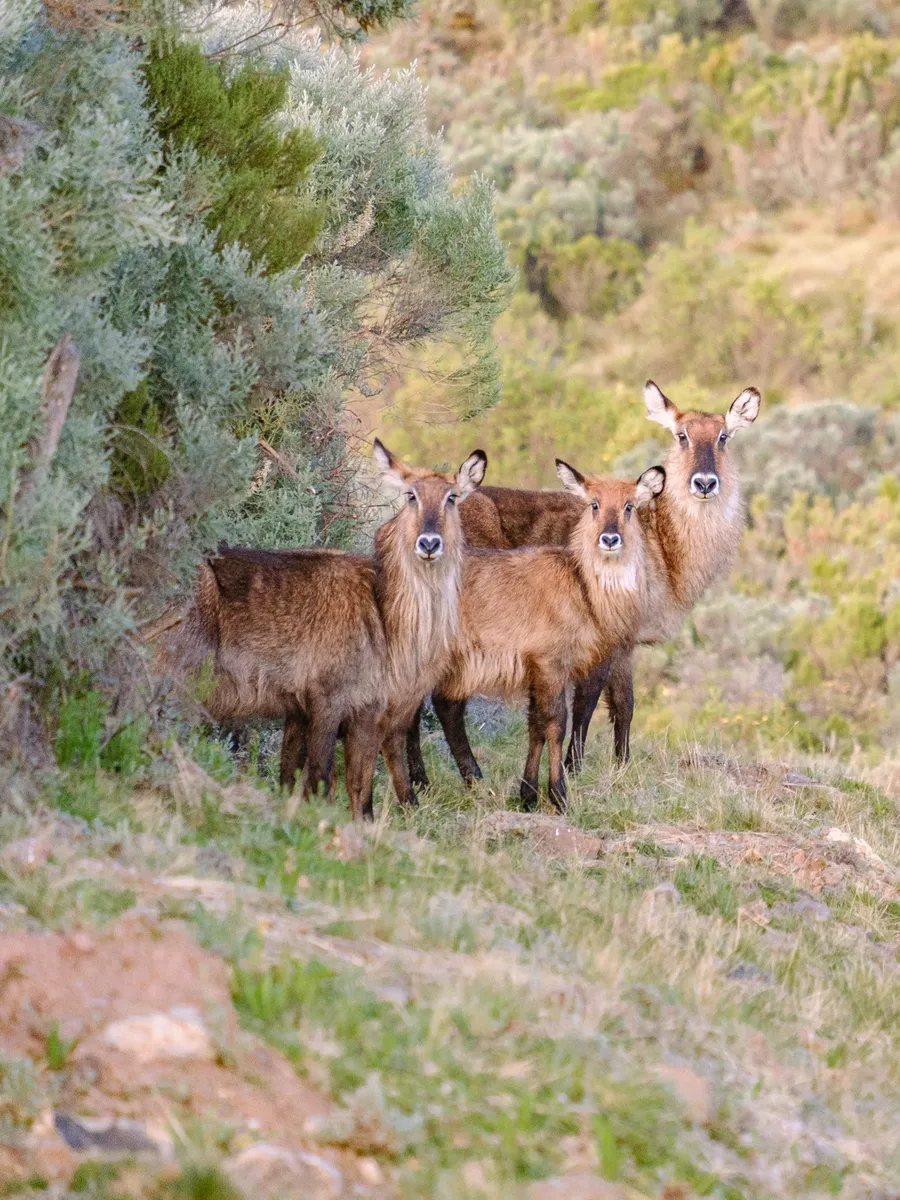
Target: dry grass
x,y
700,991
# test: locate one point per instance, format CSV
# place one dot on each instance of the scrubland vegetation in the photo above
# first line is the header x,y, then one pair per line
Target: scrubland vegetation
x,y
701,194
260,247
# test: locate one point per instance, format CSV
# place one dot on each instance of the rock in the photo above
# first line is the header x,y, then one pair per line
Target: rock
x,y
548,835
692,1089
265,1170
805,907
757,912
663,893
27,854
578,1187
111,1135
369,1171
179,1033
750,973
860,848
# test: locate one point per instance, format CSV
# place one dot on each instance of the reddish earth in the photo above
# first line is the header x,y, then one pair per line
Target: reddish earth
x,y
83,982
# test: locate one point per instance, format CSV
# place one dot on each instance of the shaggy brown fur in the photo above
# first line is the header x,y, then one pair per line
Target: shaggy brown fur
x,y
690,540
333,641
532,619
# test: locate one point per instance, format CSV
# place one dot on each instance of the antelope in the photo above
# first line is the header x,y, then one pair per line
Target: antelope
x,y
340,643
535,617
693,530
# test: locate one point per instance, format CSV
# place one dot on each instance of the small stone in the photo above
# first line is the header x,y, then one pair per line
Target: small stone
x,y
180,1033
665,893
82,942
692,1089
757,912
266,1170
369,1171
111,1135
750,973
27,854
805,907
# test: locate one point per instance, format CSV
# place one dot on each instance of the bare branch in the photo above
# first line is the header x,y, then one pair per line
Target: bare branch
x,y
57,389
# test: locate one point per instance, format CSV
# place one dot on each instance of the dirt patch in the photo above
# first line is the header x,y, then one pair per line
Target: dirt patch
x,y
155,1037
549,836
831,859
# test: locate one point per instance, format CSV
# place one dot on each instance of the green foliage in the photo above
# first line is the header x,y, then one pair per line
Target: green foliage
x,y
58,1048
153,215
200,1183
592,276
81,729
139,464
257,189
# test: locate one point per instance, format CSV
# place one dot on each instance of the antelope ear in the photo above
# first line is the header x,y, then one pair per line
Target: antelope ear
x,y
392,468
659,407
744,410
471,474
649,485
572,480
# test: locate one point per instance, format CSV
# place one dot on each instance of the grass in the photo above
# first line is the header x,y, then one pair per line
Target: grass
x,y
519,1008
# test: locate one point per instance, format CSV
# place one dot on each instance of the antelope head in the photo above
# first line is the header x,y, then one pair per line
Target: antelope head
x,y
429,524
609,531
698,464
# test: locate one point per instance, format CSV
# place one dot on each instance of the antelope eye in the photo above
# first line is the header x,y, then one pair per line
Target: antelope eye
x,y
628,507
411,497
683,438
452,498
723,438
595,506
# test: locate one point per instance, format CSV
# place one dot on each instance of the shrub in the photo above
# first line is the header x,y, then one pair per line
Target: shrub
x,y
138,230
231,119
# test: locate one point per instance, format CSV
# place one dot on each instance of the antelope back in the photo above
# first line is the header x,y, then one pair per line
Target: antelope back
x,y
522,518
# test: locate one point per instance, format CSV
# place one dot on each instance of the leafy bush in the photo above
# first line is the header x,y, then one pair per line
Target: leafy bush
x,y
256,192
141,231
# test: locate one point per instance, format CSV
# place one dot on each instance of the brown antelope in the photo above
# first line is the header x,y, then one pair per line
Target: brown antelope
x,y
695,528
340,642
533,618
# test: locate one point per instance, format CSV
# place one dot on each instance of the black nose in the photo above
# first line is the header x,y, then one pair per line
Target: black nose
x,y
610,541
429,545
704,485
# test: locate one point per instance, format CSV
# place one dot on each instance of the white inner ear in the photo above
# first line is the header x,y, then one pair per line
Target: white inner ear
x,y
743,411
470,474
659,409
642,495
570,481
649,486
381,458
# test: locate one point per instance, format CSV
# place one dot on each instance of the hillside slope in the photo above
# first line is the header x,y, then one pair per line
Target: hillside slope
x,y
705,195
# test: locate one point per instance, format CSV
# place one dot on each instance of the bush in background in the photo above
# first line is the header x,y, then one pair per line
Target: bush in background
x,y
221,304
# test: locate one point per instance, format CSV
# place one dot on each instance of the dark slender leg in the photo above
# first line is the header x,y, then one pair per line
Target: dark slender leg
x,y
584,703
321,740
360,757
392,748
620,702
417,773
555,730
452,716
536,737
293,749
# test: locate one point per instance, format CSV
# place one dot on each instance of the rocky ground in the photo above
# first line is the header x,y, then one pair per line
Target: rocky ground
x,y
688,986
